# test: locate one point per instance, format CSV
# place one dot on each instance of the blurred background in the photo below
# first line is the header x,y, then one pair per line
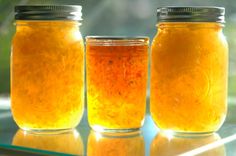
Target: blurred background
x,y
114,17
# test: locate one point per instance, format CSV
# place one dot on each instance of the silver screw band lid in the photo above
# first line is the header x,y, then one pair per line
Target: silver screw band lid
x,y
191,14
48,12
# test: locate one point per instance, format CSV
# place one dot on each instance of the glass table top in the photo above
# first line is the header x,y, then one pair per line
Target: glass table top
x,y
83,141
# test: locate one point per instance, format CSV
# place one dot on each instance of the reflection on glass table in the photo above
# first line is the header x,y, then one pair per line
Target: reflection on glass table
x,y
68,142
116,144
168,145
147,142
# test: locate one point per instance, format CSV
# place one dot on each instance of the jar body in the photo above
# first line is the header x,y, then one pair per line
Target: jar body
x,y
189,65
116,85
47,75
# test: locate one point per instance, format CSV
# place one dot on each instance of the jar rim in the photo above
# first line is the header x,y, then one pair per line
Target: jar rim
x,y
191,14
48,12
117,37
117,40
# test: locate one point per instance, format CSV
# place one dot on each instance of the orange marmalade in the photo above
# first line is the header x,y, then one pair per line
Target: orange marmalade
x,y
47,74
189,64
116,82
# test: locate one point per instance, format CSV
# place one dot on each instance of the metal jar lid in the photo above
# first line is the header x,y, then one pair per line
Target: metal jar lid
x,y
48,12
191,14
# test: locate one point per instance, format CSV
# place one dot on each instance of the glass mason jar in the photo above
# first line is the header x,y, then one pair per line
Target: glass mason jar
x,y
189,65
47,68
116,82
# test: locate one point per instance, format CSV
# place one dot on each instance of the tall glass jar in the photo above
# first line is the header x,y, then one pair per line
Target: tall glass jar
x,y
116,82
47,68
189,64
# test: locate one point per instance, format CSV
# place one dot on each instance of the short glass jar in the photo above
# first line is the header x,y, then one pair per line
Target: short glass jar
x,y
189,69
47,68
116,82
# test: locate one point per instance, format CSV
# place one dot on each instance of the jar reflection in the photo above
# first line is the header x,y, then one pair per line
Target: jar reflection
x,y
166,145
107,144
69,142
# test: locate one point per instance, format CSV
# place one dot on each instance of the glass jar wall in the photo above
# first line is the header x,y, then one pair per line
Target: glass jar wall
x,y
116,82
189,67
47,68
